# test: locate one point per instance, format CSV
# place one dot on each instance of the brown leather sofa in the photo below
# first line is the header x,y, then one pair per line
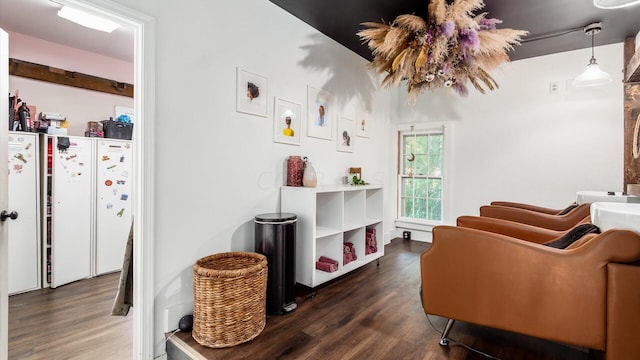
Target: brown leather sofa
x,y
587,295
535,218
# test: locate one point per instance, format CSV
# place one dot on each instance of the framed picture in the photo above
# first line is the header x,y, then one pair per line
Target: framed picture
x,y
346,130
251,93
287,118
320,119
363,121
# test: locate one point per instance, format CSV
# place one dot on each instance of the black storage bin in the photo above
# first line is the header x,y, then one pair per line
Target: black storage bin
x,y
117,129
275,237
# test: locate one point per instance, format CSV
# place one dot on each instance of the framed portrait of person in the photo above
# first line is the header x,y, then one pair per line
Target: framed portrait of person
x,y
363,122
345,135
320,110
287,119
251,93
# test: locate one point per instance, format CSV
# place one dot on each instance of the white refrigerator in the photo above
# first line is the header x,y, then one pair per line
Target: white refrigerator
x,y
24,232
114,176
69,192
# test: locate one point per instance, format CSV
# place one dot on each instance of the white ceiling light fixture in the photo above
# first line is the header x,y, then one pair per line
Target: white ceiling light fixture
x,y
593,75
87,20
614,4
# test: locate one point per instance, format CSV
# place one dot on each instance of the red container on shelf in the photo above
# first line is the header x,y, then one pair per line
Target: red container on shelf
x,y
295,170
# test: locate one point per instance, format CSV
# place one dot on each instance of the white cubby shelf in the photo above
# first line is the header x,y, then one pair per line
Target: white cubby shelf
x,y
328,216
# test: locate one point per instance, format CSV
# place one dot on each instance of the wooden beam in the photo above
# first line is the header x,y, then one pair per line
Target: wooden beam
x,y
70,78
631,61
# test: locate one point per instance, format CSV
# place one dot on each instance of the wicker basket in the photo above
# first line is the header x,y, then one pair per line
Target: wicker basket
x,y
229,304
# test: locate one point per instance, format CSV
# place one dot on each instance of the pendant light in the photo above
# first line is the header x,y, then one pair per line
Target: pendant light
x,y
614,4
593,75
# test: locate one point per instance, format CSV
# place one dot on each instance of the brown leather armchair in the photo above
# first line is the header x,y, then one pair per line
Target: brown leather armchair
x,y
540,219
535,208
514,229
586,295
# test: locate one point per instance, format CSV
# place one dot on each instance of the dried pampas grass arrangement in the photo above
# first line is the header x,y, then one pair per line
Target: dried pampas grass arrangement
x,y
450,49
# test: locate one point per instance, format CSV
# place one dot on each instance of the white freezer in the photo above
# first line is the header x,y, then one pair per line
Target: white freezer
x,y
72,184
24,234
114,176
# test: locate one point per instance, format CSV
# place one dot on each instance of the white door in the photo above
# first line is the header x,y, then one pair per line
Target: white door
x,y
4,238
24,239
71,210
114,183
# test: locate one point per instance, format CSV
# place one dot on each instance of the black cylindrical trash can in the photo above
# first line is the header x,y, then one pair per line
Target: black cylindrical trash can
x,y
275,237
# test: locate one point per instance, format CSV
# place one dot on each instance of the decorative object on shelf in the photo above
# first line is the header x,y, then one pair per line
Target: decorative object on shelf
x,y
251,93
346,131
448,49
355,175
371,244
295,170
326,264
287,119
320,117
592,75
614,4
309,178
349,253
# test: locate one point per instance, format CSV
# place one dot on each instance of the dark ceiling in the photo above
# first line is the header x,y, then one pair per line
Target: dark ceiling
x,y
340,20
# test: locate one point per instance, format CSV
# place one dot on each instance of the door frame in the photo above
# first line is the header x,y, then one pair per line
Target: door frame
x,y
4,191
144,106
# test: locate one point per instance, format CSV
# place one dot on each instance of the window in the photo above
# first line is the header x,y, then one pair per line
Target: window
x,y
420,175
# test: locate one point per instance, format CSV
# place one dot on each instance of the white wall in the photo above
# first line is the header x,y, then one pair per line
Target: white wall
x,y
78,105
217,168
522,143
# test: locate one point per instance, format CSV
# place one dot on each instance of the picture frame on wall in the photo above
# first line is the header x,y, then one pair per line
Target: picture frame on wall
x,y
345,136
251,93
287,120
363,122
320,110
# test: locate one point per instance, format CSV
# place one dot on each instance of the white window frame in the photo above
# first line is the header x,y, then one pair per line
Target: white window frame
x,y
421,224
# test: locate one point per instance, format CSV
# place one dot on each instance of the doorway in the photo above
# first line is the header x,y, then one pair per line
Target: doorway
x,y
143,28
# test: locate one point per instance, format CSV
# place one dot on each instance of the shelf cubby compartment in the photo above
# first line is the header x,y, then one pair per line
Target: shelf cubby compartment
x,y
329,213
353,209
374,206
374,230
356,237
331,247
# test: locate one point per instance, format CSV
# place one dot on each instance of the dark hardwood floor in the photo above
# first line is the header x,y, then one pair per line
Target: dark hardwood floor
x,y
70,322
375,313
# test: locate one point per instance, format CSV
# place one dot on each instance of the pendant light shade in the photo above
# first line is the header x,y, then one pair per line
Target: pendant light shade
x,y
614,4
593,75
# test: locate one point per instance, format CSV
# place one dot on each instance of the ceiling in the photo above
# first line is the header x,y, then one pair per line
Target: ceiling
x,y
38,18
340,20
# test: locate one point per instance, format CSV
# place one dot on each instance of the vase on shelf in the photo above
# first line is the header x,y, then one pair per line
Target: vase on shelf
x,y
295,168
309,179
